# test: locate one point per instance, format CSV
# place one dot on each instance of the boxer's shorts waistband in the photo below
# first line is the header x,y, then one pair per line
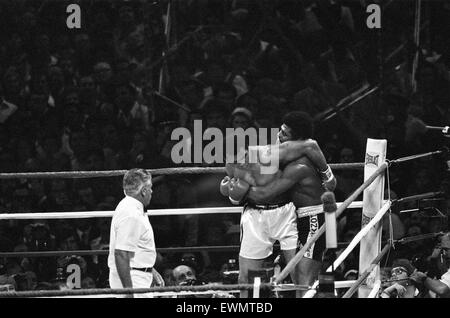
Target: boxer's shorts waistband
x,y
265,206
309,210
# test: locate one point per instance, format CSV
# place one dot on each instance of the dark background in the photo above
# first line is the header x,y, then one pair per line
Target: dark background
x,y
84,99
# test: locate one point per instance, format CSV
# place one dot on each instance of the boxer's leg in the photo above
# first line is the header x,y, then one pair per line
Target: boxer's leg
x,y
286,232
308,272
246,264
295,274
255,244
310,265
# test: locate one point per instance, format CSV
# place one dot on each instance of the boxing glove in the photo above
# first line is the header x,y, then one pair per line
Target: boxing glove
x,y
330,184
237,190
329,181
224,186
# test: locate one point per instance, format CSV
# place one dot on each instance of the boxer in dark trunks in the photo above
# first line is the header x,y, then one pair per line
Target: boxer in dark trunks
x,y
270,212
300,181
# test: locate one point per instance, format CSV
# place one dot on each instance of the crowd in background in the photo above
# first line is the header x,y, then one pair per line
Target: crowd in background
x,y
107,97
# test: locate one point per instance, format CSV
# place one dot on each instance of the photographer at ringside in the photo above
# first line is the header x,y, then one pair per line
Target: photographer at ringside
x,y
438,287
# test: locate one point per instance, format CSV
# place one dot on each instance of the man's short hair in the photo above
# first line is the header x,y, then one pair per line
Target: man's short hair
x,y
135,179
406,264
300,123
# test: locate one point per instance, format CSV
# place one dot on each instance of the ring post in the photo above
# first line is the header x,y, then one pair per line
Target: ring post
x,y
372,201
256,287
329,208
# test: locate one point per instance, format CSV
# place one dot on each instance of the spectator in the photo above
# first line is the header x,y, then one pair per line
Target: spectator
x,y
440,287
5,278
130,112
400,274
241,117
184,275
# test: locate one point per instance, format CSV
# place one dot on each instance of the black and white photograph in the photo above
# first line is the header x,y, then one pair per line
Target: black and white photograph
x,y
224,156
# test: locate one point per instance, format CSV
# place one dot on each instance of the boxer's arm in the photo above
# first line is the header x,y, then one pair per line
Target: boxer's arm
x,y
292,150
229,169
310,148
285,181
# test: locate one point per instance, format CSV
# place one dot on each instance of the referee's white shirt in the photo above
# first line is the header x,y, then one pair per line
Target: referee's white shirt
x,y
131,231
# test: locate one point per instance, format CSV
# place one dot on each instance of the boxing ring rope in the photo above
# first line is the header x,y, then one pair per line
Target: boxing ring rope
x,y
155,212
167,290
367,272
192,249
106,252
219,248
358,237
417,197
413,157
128,291
154,294
375,289
154,172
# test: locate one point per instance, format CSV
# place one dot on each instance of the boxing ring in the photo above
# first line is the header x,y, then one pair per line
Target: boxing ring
x,y
369,237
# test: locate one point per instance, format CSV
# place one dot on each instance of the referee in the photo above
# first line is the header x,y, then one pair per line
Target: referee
x,y
132,251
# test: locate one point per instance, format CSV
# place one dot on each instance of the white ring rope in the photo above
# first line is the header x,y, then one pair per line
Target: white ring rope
x,y
256,287
313,291
375,289
207,289
154,294
358,237
337,285
256,291
155,212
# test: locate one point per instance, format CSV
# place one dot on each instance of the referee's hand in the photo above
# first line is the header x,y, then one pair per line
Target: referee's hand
x,y
157,279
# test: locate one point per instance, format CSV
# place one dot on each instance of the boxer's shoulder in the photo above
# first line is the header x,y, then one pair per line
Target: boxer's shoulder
x,y
299,143
304,162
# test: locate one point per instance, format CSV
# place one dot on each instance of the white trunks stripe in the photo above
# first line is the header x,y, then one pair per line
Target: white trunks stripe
x,y
313,228
309,210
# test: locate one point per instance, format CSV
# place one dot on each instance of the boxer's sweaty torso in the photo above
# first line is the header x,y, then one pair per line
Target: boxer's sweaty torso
x,y
262,179
308,190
